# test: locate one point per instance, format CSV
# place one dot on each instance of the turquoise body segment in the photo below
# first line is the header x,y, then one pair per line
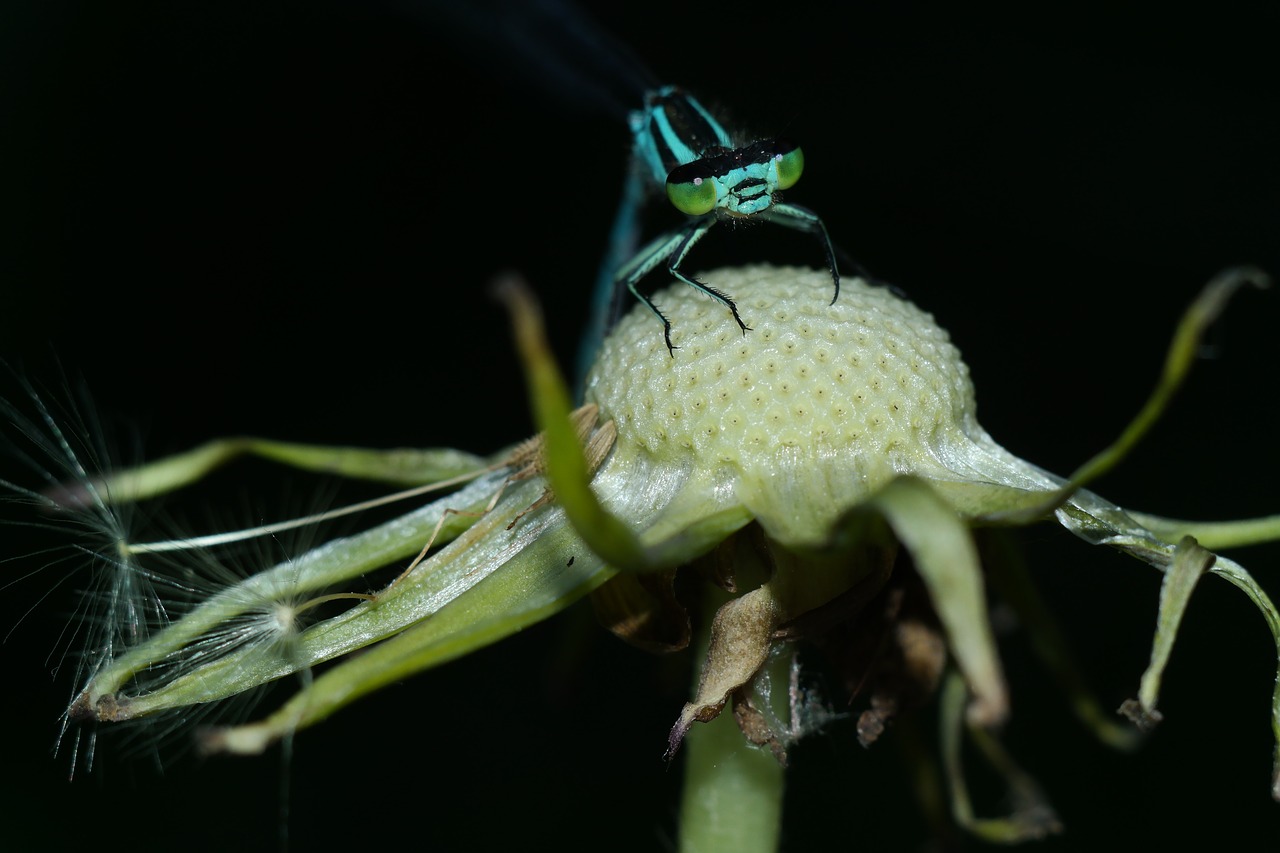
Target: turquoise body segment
x,y
673,129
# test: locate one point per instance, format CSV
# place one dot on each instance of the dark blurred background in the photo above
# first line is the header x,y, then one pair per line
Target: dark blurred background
x,y
280,218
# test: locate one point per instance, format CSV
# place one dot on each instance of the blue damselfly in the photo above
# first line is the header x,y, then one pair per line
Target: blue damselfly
x,y
679,149
708,176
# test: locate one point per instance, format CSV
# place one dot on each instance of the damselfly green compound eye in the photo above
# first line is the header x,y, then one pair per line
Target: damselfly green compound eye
x,y
790,163
690,192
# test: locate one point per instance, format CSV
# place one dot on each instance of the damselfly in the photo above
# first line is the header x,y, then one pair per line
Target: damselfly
x,y
708,176
679,149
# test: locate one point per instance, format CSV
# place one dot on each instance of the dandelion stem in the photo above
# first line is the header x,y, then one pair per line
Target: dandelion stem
x,y
732,796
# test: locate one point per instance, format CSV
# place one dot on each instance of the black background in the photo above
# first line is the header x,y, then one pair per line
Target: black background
x,y
280,218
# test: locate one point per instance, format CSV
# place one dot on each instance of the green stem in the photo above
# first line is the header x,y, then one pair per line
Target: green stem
x,y
732,796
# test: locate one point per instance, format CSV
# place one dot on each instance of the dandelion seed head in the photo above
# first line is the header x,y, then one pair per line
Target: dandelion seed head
x,y
826,404
890,345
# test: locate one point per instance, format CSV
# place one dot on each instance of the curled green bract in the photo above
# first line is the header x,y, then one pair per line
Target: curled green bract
x,y
830,458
